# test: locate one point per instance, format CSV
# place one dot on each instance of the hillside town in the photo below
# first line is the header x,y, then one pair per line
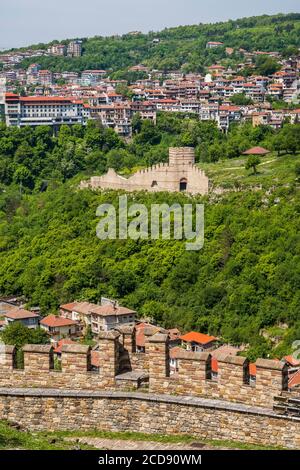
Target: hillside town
x,y
226,95
82,322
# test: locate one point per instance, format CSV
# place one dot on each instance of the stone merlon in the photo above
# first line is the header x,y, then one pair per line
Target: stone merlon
x,y
193,356
75,348
270,364
109,335
37,348
159,338
236,360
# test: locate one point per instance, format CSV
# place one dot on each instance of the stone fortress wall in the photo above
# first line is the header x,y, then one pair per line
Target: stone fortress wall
x,y
179,174
40,397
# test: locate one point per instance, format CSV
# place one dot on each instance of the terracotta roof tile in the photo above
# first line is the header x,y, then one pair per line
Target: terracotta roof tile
x,y
256,151
294,379
195,337
292,360
20,314
252,369
54,321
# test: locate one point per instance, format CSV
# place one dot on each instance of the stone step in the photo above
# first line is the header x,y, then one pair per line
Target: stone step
x,y
280,408
294,401
281,399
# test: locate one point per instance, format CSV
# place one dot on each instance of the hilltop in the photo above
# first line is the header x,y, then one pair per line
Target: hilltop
x,y
181,47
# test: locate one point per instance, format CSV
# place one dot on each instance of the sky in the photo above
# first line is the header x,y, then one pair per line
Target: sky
x,y
25,22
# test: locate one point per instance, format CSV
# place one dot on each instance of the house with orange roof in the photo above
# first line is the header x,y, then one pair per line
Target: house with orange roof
x,y
194,341
291,361
60,327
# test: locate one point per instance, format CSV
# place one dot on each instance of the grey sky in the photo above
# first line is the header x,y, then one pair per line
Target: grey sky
x,y
24,22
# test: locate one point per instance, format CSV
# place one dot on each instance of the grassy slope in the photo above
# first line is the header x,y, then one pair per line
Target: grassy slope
x,y
272,170
11,438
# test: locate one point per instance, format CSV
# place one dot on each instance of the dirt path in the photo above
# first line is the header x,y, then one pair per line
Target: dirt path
x,y
242,163
122,444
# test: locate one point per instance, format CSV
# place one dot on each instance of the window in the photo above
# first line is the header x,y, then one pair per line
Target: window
x,y
153,184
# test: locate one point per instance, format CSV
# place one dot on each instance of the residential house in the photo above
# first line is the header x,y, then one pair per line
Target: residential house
x,y
27,318
104,317
60,327
213,44
198,342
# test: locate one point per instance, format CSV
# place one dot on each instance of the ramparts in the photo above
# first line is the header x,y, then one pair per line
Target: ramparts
x,y
180,174
39,409
118,356
40,397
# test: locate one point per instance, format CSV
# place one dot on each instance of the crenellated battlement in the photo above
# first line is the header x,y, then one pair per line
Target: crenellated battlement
x,y
179,174
121,366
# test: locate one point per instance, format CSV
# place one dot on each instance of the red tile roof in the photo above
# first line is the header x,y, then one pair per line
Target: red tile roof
x,y
20,314
107,310
295,379
87,308
292,360
54,321
252,369
140,333
195,337
95,358
43,99
214,365
216,67
11,95
256,151
69,307
229,108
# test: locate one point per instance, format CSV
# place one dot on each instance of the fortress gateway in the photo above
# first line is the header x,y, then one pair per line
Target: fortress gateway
x,y
180,174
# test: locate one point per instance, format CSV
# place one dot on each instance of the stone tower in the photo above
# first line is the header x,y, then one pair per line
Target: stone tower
x,y
181,156
179,175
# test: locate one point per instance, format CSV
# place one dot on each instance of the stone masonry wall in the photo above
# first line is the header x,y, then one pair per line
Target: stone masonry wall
x,y
193,377
39,409
160,177
118,355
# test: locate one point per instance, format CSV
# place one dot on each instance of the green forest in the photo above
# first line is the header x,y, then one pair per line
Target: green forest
x,y
182,47
244,281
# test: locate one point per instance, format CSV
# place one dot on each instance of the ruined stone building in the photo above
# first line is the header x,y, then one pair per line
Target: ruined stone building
x,y
179,174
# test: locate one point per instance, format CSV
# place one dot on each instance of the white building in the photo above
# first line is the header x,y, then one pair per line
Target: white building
x,y
42,110
74,49
59,327
104,317
2,98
